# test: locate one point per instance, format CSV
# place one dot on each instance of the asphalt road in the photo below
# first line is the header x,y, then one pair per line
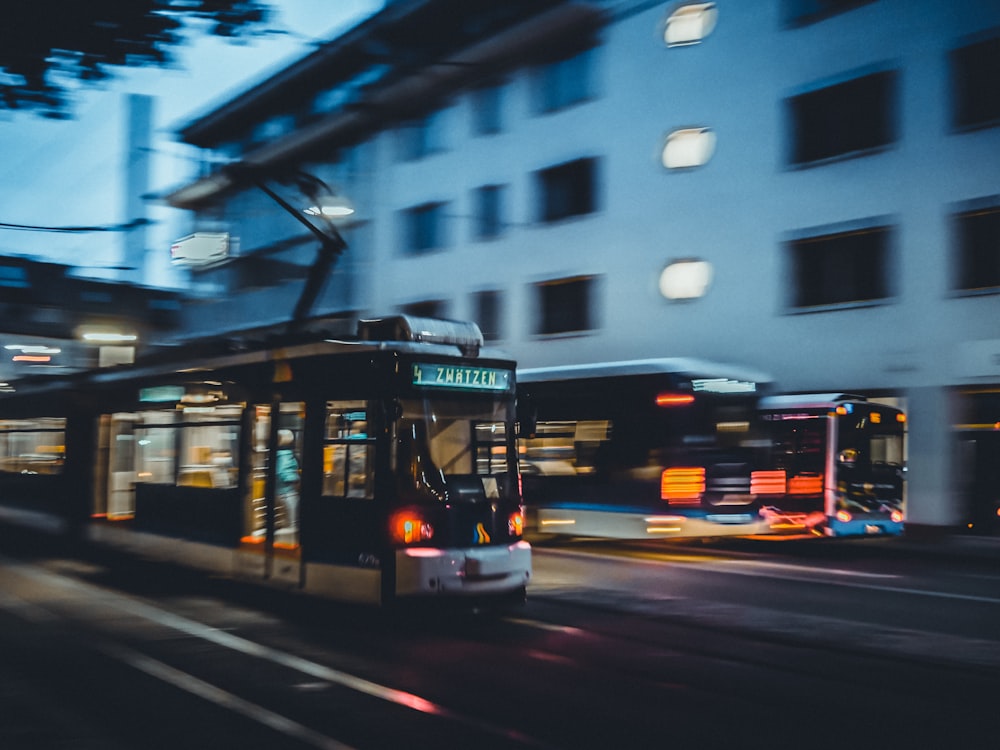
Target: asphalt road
x,y
711,645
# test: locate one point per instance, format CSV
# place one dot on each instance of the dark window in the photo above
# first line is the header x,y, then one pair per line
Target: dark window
x,y
487,110
423,228
978,238
839,268
566,305
419,138
802,12
565,82
430,308
849,117
975,72
487,311
568,189
14,276
489,211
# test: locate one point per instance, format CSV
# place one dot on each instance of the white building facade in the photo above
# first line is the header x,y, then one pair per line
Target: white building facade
x,y
828,207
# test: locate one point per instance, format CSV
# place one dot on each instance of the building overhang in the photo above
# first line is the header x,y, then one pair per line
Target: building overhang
x,y
406,96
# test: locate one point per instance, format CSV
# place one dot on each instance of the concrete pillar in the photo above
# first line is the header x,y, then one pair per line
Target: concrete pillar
x,y
933,494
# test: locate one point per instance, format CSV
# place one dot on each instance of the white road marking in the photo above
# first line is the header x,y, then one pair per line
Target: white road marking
x,y
250,648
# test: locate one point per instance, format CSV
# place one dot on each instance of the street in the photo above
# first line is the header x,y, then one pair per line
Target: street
x,y
746,643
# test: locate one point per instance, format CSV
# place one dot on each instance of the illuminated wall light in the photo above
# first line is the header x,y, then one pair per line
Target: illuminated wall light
x,y
688,148
690,23
685,279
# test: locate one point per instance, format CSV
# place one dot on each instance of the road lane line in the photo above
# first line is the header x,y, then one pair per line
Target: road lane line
x,y
250,648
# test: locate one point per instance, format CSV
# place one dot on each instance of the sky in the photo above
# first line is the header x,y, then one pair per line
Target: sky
x,y
71,173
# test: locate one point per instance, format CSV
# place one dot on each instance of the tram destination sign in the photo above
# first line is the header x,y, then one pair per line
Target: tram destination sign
x,y
433,375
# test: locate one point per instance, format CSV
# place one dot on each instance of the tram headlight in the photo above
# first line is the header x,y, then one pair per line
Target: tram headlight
x,y
515,524
409,527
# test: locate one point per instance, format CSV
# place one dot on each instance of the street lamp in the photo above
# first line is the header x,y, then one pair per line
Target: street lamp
x,y
325,206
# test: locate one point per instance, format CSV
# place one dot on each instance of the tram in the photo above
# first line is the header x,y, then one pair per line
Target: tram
x,y
374,469
838,465
643,449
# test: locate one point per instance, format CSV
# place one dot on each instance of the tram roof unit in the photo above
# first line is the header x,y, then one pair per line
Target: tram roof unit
x,y
688,366
809,400
399,333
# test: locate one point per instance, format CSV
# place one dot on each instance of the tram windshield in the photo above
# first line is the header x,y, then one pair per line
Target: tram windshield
x,y
456,448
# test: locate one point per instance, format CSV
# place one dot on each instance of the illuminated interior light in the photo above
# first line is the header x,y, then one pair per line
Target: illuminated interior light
x,y
682,484
685,279
843,516
674,399
689,24
732,427
688,148
558,522
662,529
108,337
31,358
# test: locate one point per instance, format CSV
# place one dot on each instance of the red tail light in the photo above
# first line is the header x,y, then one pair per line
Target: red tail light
x,y
674,399
767,482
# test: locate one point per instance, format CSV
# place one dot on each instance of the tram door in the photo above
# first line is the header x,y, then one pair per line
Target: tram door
x,y
270,546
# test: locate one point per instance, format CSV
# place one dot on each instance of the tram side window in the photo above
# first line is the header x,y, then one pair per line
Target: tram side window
x,y
193,448
156,447
209,442
33,446
347,451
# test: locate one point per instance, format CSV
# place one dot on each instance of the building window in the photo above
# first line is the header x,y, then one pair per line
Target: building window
x,y
689,24
487,311
975,70
487,110
568,189
566,305
429,308
847,118
688,148
977,234
420,138
804,12
842,267
424,228
565,82
488,207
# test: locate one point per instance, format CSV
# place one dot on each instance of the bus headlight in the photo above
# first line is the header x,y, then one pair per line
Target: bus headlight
x,y
896,516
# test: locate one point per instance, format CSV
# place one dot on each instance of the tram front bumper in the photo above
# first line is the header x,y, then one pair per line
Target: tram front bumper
x,y
472,571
